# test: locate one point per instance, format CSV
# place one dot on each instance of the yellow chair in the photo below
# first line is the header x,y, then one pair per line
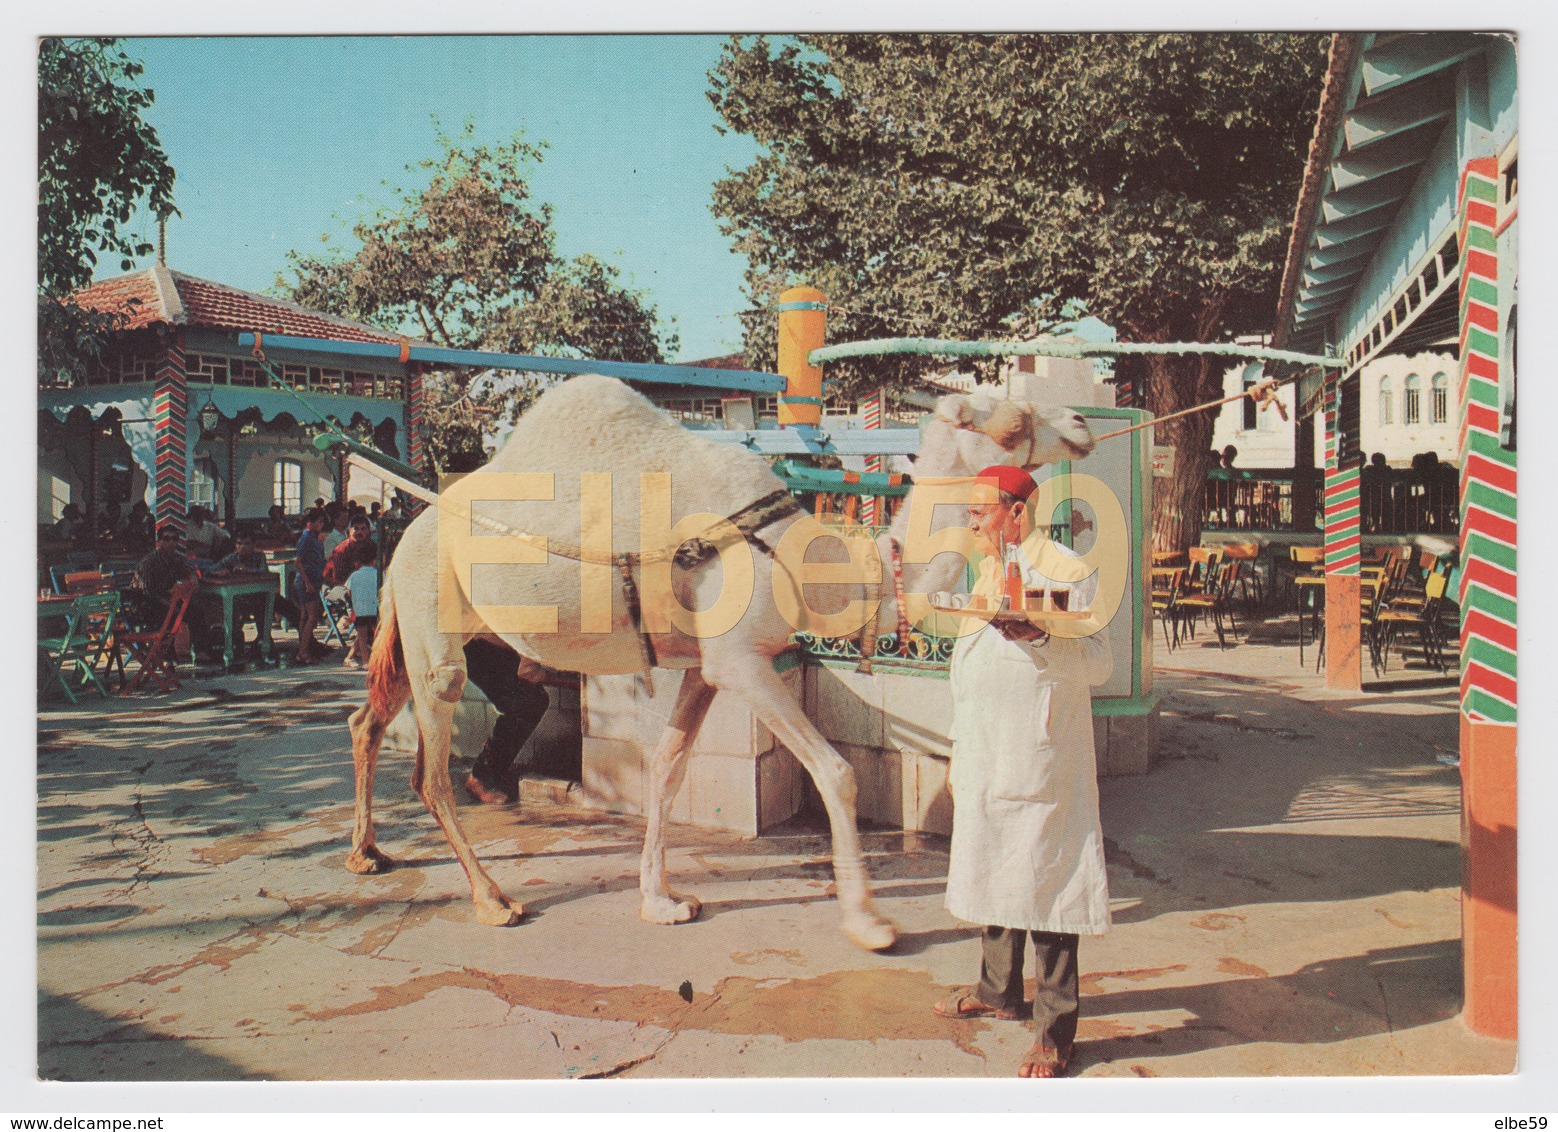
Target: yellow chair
x,y
1430,633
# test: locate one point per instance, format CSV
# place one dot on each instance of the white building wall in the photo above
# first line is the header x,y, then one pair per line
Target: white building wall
x,y
1270,443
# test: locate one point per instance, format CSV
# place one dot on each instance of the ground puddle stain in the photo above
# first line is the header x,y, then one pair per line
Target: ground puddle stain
x,y
893,1003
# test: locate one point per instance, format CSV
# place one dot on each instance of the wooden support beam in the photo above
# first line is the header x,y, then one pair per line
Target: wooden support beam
x,y
1405,59
1404,151
1402,109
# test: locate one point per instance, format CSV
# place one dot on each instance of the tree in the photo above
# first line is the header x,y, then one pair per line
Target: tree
x,y
988,186
468,261
98,161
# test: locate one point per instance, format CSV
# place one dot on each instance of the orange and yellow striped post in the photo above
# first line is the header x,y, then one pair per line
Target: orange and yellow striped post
x,y
803,322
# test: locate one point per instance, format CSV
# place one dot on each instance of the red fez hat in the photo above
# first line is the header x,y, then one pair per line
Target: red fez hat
x,y
1010,479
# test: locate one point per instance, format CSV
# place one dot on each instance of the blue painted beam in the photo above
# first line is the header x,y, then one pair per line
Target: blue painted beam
x,y
803,439
750,381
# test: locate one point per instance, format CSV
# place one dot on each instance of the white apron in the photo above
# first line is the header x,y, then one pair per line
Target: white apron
x,y
1027,851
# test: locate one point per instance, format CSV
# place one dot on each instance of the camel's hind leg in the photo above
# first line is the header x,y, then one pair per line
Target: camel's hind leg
x,y
660,905
368,724
752,677
435,717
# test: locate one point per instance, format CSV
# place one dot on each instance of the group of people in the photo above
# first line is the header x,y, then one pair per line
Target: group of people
x,y
337,563
136,530
336,570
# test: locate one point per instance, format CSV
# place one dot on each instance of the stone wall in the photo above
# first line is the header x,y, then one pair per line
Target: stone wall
x,y
891,727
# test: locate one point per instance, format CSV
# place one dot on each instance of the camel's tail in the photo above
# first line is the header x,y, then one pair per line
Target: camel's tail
x,y
387,683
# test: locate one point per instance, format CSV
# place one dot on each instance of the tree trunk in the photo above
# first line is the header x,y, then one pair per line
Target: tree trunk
x,y
1175,383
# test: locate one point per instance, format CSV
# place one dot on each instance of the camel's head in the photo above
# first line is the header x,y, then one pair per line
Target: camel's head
x,y
974,430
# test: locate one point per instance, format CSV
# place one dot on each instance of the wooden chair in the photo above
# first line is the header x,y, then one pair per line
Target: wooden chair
x,y
87,582
1214,600
89,634
1247,553
1308,589
1166,589
157,651
1430,633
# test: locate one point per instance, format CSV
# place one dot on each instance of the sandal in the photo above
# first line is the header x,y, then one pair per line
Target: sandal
x,y
1043,1061
963,1004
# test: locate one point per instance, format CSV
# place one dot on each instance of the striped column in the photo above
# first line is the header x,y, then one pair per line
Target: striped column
x,y
1343,550
1343,526
170,408
1487,558
871,417
1489,780
416,447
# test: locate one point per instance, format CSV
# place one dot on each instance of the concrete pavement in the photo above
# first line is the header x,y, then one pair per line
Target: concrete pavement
x,y
1284,886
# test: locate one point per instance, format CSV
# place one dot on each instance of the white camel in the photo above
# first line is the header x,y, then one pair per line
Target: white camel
x,y
593,424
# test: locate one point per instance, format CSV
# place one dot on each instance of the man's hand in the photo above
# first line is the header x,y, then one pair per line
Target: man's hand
x,y
1024,631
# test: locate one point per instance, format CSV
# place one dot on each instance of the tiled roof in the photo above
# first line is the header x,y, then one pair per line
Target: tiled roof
x,y
724,361
157,296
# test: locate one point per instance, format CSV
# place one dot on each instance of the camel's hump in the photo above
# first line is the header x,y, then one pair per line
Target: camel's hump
x,y
595,424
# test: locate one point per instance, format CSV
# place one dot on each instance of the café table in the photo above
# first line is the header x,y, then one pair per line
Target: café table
x,y
228,590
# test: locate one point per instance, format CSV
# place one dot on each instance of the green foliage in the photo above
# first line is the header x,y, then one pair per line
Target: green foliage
x,y
468,261
966,186
98,161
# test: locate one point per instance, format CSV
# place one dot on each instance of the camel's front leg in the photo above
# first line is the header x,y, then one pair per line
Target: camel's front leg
x,y
753,678
435,717
659,904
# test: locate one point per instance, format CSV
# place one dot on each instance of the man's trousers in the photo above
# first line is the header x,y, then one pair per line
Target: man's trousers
x,y
1056,1002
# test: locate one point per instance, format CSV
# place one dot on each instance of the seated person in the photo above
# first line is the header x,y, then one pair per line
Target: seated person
x,y
203,538
140,529
157,574
276,528
70,523
109,524
244,561
155,577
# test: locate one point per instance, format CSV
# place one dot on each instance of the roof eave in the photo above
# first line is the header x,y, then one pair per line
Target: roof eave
x,y
1345,56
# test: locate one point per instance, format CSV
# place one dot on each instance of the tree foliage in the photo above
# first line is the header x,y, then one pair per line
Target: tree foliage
x,y
468,260
987,186
98,162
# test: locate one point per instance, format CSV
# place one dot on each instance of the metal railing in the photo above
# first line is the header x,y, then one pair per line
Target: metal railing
x,y
1391,503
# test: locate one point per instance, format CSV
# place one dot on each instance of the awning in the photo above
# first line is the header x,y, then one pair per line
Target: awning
x,y
136,401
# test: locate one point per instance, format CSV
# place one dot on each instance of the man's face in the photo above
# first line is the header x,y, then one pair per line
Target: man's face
x,y
317,526
244,546
168,543
359,532
995,524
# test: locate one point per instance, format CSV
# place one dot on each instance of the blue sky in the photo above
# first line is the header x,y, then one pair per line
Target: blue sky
x,y
280,140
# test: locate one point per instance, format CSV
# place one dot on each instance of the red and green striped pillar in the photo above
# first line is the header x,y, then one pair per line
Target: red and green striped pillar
x,y
416,442
874,514
1486,596
170,410
1343,549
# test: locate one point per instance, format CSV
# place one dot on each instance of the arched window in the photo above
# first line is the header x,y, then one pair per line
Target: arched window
x,y
1386,403
287,487
1412,407
1441,399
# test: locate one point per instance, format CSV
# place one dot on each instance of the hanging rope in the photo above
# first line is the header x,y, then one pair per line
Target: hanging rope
x,y
1263,393
1051,349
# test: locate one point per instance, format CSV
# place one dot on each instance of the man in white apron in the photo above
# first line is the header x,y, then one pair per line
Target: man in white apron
x,y
1027,854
